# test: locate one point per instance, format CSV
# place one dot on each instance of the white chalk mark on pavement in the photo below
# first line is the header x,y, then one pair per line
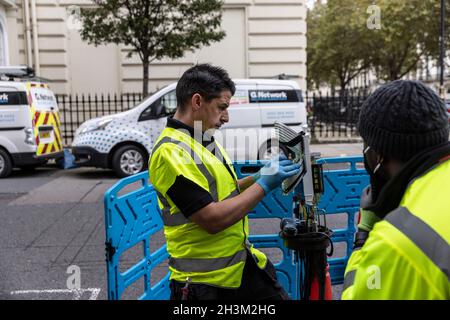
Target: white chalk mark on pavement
x,y
77,293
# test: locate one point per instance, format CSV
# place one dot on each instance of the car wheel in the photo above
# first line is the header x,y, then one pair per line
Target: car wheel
x,y
5,164
129,160
269,149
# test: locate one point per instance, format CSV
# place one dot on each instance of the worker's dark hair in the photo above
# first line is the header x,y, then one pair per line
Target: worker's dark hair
x,y
207,80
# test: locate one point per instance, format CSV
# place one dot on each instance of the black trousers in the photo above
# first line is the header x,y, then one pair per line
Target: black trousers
x,y
256,284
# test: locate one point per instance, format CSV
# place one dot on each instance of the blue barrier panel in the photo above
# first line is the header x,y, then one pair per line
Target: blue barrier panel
x,y
133,217
343,188
274,205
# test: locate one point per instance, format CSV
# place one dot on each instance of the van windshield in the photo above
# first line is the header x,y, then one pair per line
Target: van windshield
x,y
144,99
163,107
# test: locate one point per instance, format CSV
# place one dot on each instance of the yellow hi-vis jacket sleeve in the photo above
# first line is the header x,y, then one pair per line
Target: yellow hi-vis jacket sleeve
x,y
390,267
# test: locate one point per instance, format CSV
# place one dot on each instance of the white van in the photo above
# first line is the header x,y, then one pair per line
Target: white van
x,y
123,141
29,121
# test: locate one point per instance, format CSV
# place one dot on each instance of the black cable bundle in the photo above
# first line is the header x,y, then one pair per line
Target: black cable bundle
x,y
311,256
313,263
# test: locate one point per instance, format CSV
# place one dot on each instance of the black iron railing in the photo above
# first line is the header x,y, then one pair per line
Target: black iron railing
x,y
76,109
329,116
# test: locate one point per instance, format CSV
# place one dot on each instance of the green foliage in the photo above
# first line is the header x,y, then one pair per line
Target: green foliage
x,y
341,46
409,32
337,43
154,29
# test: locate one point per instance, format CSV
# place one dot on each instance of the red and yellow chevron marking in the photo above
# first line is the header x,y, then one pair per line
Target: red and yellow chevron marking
x,y
37,85
45,118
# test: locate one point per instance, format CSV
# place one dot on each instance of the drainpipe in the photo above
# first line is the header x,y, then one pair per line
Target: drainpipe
x,y
37,67
26,10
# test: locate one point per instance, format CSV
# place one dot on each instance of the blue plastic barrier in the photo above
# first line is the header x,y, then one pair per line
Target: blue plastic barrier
x,y
133,217
342,195
274,205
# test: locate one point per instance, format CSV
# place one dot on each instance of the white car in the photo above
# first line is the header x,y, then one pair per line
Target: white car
x,y
124,141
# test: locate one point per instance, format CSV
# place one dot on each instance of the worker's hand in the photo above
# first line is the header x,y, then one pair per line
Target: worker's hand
x,y
275,171
367,217
367,220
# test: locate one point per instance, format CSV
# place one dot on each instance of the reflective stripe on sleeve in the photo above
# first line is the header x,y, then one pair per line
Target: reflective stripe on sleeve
x,y
423,236
349,279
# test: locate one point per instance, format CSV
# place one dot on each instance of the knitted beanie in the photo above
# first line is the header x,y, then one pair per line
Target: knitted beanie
x,y
402,118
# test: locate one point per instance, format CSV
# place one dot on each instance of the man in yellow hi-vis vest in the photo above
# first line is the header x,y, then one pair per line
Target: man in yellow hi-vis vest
x,y
402,244
204,206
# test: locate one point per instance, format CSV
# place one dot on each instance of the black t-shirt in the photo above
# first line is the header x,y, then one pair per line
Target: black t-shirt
x,y
188,196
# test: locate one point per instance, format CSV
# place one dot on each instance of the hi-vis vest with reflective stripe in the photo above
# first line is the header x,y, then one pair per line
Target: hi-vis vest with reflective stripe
x,y
407,255
215,259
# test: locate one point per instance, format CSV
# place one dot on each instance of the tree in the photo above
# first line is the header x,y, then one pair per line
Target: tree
x,y
409,32
341,45
338,44
153,28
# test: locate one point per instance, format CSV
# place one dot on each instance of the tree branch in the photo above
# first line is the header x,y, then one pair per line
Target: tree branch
x,y
412,65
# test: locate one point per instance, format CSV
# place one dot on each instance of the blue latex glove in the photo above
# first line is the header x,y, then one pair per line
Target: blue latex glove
x,y
256,176
275,171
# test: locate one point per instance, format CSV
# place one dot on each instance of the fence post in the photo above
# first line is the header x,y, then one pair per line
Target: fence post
x,y
77,114
71,119
96,105
318,106
65,118
349,112
313,116
108,101
115,103
90,106
102,102
331,111
84,107
357,108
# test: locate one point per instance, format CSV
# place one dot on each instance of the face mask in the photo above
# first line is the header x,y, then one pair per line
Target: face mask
x,y
376,182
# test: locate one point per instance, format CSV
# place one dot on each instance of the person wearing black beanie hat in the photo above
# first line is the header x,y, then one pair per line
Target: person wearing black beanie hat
x,y
402,118
403,232
397,122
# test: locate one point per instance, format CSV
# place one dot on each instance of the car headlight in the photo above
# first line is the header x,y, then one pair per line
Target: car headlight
x,y
99,125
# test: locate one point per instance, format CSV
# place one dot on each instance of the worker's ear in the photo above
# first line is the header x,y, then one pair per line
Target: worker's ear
x,y
196,102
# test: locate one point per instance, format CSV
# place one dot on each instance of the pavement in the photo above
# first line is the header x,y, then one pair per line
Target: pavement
x,y
53,229
338,149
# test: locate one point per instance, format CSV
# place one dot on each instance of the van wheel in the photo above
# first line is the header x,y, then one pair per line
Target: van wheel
x,y
270,148
129,160
5,164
